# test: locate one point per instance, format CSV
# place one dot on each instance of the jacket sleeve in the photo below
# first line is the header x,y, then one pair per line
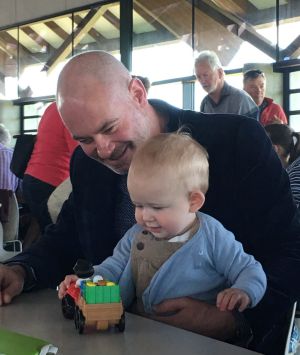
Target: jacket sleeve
x,y
112,268
269,219
238,267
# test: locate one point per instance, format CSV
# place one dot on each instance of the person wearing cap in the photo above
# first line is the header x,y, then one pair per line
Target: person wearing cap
x,y
255,85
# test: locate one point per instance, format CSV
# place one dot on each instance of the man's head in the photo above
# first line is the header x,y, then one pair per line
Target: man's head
x,y
104,108
167,182
209,72
255,85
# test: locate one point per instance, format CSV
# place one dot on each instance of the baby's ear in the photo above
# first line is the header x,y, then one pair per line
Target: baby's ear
x,y
196,199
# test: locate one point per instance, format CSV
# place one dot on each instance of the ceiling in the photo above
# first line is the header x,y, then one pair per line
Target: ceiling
x,y
216,21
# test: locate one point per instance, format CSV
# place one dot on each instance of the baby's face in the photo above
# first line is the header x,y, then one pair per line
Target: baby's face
x,y
160,207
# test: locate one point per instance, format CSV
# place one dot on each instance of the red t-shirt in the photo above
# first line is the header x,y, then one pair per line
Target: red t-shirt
x,y
272,112
53,148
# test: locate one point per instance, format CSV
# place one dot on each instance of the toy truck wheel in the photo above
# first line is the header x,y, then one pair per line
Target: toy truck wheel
x,y
79,320
68,307
121,324
76,317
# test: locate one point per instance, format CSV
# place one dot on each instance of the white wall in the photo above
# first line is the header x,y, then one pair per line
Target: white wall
x,y
16,11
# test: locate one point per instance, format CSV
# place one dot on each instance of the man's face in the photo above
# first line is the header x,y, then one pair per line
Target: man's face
x,y
256,88
108,125
209,79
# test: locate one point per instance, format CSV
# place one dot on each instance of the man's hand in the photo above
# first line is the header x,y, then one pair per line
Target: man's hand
x,y
232,298
11,282
196,316
64,285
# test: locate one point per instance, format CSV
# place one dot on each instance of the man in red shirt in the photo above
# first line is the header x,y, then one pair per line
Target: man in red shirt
x,y
49,163
255,86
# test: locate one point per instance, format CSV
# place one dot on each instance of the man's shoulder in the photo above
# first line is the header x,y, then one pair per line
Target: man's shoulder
x,y
239,93
6,150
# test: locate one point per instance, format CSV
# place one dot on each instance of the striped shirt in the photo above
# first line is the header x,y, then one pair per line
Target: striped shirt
x,y
294,174
8,181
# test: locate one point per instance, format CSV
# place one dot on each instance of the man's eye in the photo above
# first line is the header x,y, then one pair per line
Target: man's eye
x,y
109,130
157,208
85,141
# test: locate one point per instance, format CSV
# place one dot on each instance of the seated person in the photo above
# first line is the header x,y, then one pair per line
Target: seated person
x,y
174,244
286,143
255,85
8,181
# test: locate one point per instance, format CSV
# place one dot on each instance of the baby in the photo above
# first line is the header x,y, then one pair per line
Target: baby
x,y
174,250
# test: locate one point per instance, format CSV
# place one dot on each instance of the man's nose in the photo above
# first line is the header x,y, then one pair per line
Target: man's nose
x,y
105,147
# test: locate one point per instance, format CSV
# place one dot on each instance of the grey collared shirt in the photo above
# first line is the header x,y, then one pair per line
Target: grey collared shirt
x,y
233,101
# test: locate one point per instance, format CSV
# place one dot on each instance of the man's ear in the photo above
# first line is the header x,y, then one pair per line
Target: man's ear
x,y
221,72
137,91
197,200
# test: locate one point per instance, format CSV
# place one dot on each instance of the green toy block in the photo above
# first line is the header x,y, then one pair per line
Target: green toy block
x,y
114,294
99,294
90,294
106,294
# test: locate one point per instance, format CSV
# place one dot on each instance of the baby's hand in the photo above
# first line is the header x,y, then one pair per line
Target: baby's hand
x,y
232,298
64,285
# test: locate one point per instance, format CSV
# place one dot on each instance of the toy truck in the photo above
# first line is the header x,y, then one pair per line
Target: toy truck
x,y
94,305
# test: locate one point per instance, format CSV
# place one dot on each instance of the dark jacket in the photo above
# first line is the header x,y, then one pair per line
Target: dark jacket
x,y
249,193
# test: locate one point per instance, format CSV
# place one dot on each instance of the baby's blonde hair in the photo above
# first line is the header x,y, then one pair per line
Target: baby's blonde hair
x,y
177,154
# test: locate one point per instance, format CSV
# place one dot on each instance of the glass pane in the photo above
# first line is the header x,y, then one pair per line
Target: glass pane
x,y
295,80
36,109
295,122
44,47
199,95
288,35
162,34
238,31
98,28
8,66
294,102
31,124
172,93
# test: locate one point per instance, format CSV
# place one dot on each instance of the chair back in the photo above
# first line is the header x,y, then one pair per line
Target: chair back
x,y
9,225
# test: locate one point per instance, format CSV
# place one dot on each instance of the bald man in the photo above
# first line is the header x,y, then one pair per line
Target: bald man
x,y
107,112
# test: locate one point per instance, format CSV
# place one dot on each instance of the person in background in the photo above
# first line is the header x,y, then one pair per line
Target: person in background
x,y
286,143
8,181
170,232
48,165
144,80
222,97
110,116
255,85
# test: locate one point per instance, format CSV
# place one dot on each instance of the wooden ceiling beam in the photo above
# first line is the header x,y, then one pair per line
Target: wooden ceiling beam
x,y
60,32
238,27
92,32
111,18
150,19
82,29
292,50
37,38
237,7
